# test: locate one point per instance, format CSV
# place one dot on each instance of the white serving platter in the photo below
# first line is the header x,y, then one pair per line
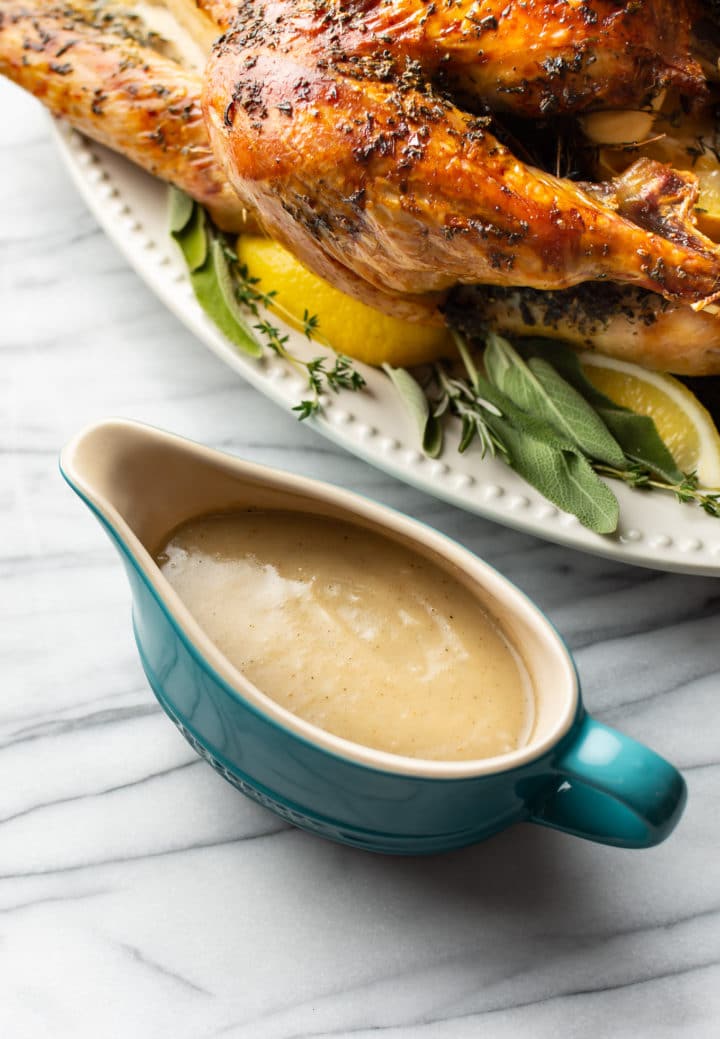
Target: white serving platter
x,y
655,531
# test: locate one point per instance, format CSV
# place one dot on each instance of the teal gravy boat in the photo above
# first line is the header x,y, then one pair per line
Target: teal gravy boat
x,y
575,774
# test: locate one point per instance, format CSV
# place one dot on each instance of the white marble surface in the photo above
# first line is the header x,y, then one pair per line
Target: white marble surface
x,y
140,896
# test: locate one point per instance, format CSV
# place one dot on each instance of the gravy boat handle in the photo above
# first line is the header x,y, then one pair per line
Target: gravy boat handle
x,y
612,789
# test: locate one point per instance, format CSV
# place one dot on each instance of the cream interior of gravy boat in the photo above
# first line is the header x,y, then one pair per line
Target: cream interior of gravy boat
x,y
144,483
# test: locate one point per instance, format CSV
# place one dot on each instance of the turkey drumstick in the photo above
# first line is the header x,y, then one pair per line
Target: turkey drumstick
x,y
349,152
119,91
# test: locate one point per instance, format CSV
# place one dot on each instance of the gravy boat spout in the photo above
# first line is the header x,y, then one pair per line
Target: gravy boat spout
x,y
573,774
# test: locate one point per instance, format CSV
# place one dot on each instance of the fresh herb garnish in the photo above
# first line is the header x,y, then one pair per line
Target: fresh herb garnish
x,y
636,434
193,240
529,403
418,404
535,386
231,298
180,208
549,423
685,490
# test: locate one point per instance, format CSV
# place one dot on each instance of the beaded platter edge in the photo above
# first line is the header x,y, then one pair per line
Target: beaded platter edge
x,y
655,531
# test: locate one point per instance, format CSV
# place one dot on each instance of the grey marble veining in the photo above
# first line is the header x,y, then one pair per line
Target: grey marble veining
x,y
142,897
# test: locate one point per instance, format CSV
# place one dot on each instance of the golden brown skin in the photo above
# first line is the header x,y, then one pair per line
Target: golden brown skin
x,y
349,154
119,92
124,94
615,320
196,17
221,12
204,19
533,58
630,323
544,56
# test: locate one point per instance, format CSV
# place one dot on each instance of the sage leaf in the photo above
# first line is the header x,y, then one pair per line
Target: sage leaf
x,y
417,404
536,387
434,437
565,478
180,210
641,442
468,432
590,431
227,284
193,240
601,511
636,434
525,423
565,361
207,289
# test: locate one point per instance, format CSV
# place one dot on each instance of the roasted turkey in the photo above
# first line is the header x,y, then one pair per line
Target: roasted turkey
x,y
330,121
383,143
100,69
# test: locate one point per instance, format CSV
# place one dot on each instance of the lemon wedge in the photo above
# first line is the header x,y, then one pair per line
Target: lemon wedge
x,y
708,204
351,327
683,423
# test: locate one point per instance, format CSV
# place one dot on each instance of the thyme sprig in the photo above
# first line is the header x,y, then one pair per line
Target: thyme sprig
x,y
461,398
230,296
538,412
341,375
529,404
686,490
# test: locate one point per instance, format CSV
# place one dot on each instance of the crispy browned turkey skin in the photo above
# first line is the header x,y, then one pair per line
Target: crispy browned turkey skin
x,y
536,57
548,56
102,74
336,119
530,57
335,129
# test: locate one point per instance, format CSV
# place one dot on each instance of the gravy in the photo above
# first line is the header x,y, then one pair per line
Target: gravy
x,y
354,633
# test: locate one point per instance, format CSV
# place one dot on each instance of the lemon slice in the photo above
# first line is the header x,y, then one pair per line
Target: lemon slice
x,y
684,424
707,208
351,327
